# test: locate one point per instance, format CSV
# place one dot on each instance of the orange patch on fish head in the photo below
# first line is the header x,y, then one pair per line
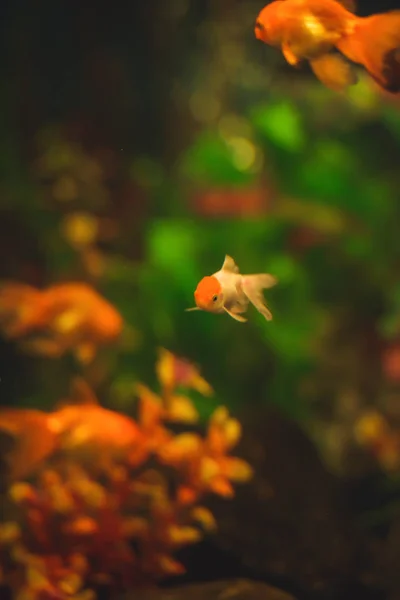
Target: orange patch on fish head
x,y
268,27
208,294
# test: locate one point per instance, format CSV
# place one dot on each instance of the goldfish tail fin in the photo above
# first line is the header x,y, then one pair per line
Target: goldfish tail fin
x,y
375,44
19,306
17,289
253,285
263,281
32,440
13,294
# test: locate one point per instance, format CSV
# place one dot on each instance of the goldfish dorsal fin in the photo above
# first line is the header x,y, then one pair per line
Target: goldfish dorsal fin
x,y
350,5
82,393
230,265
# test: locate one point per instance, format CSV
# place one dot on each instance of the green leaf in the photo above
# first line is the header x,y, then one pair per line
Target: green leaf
x,y
391,117
330,173
170,244
211,160
281,124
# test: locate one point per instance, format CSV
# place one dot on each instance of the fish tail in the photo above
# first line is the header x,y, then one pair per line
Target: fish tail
x,y
262,281
32,440
20,308
375,44
253,285
12,293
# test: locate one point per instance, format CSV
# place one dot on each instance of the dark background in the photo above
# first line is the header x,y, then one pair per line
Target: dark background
x,y
59,58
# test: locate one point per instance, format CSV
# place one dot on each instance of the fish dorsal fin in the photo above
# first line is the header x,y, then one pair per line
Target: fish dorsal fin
x,y
81,394
230,265
350,5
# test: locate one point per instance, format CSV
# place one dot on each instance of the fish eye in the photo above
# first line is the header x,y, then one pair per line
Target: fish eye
x,y
215,298
260,26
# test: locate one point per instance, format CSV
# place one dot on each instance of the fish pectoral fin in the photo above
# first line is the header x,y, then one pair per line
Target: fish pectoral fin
x,y
252,286
235,315
230,265
242,301
191,309
240,308
334,72
289,55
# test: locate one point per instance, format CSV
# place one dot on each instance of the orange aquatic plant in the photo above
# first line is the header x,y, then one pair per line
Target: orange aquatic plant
x,y
374,432
64,317
100,499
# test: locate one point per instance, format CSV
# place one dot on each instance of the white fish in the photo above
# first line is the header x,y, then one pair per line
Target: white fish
x,y
229,291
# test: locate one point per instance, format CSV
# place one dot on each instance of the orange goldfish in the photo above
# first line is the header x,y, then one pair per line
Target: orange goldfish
x,y
67,316
229,291
313,29
80,429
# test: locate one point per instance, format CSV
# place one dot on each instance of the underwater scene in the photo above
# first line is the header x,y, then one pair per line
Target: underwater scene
x,y
200,300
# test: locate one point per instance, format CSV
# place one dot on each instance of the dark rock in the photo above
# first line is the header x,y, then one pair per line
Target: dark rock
x,y
240,589
388,559
291,521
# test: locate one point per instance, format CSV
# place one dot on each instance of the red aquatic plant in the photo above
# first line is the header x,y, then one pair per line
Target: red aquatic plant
x,y
65,317
232,202
99,499
391,363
